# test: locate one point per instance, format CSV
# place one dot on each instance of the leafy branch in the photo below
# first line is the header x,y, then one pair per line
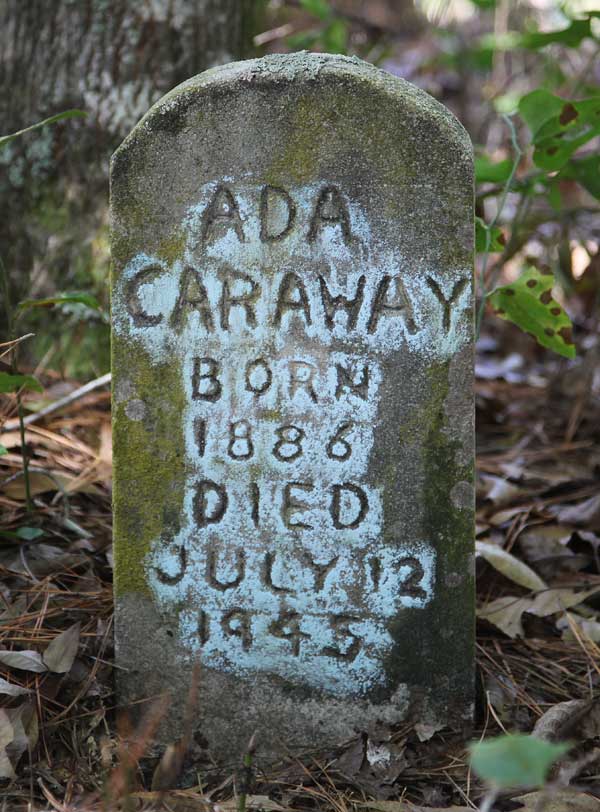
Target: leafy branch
x,y
489,229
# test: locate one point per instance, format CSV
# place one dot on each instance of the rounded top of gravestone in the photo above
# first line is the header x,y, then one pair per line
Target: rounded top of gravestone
x,y
276,71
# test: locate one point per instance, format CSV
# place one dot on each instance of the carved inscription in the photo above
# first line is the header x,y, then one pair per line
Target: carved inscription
x,y
242,298
227,298
280,315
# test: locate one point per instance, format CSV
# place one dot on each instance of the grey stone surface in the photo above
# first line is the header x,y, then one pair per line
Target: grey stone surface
x,y
293,419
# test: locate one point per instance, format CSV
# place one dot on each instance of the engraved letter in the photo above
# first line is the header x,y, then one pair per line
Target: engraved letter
x,y
330,209
258,376
291,505
205,383
273,198
287,627
320,571
240,445
268,576
222,211
200,434
331,304
301,377
236,623
192,296
210,503
338,448
340,623
212,566
255,503
346,380
360,510
167,578
203,627
375,567
447,303
396,305
289,438
132,296
410,586
245,300
291,284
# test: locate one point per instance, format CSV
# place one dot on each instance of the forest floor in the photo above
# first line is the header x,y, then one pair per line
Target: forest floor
x,y
64,747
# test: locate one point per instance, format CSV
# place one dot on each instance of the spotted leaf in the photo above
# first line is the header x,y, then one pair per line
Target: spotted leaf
x,y
528,303
559,126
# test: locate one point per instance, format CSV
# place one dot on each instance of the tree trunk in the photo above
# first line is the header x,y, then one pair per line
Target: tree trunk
x,y
113,59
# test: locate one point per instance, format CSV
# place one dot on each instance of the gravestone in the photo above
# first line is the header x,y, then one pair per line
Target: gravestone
x,y
293,404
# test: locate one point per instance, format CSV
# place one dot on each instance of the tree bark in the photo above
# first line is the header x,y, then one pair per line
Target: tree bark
x,y
113,59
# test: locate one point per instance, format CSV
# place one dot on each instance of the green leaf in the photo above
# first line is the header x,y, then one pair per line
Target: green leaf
x,y
477,57
11,383
572,36
553,194
528,303
29,533
507,103
585,171
6,139
80,298
538,107
559,126
497,240
3,450
486,171
318,8
515,760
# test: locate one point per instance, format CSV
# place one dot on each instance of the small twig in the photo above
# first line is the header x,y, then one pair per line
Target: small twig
x,y
488,800
501,203
522,184
14,342
21,423
247,776
26,565
59,404
274,33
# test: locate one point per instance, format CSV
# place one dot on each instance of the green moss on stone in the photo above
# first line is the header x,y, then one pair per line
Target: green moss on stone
x,y
271,414
300,160
149,481
172,248
450,531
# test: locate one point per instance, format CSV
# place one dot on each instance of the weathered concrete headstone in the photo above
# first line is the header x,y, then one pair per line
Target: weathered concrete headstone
x,y
293,406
